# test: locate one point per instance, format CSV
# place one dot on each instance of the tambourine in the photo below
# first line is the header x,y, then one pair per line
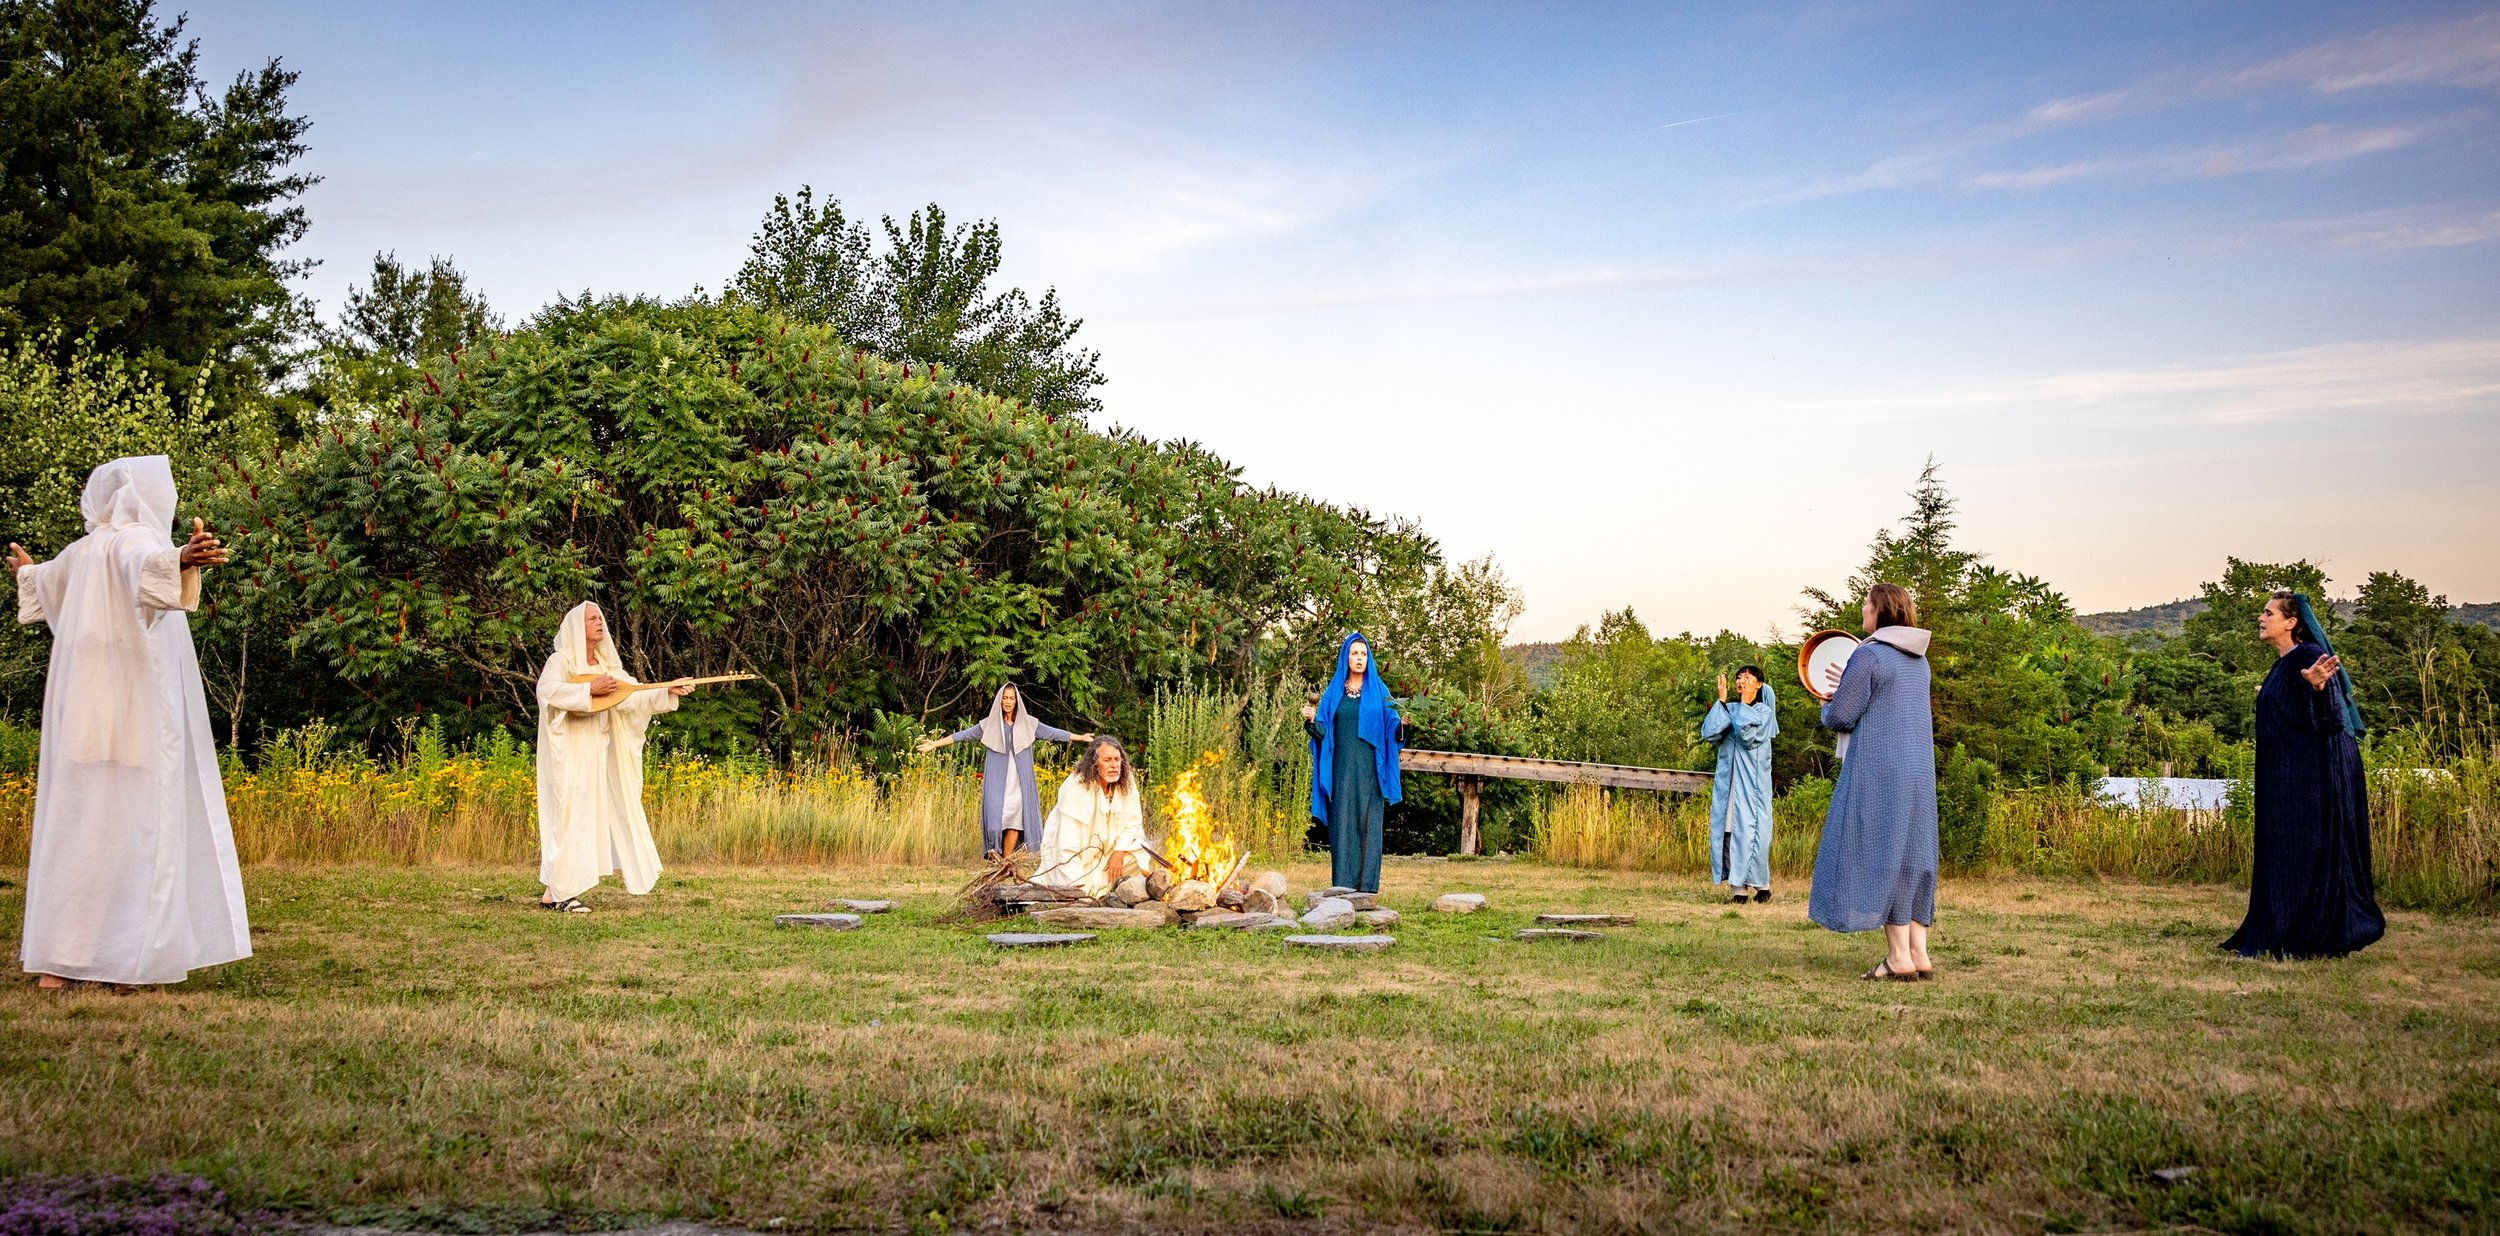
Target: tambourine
x,y
1823,652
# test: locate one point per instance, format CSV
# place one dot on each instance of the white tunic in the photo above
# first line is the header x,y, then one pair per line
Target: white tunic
x,y
1086,827
132,876
590,819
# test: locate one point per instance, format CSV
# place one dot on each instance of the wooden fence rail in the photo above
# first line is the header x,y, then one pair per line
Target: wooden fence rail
x,y
1470,771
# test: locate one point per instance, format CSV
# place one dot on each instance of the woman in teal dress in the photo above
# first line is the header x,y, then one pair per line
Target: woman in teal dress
x,y
1354,763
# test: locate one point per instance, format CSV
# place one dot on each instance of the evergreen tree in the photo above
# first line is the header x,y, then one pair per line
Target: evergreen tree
x,y
925,297
139,209
409,315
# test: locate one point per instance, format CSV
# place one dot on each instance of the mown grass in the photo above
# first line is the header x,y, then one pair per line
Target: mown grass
x,y
420,1045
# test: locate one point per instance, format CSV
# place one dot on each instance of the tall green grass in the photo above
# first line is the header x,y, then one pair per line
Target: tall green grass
x,y
2435,833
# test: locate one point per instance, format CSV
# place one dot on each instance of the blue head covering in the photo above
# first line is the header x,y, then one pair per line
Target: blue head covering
x,y
1377,723
2314,632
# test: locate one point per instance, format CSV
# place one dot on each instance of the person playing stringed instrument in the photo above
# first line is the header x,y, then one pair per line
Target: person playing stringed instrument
x,y
591,724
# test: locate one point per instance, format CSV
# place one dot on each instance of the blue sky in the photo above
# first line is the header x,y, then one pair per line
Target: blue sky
x,y
1660,306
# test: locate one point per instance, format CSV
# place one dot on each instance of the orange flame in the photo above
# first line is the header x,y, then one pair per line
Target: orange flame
x,y
1192,844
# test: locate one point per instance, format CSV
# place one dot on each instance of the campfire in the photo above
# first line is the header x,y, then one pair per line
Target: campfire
x,y
1194,875
1192,849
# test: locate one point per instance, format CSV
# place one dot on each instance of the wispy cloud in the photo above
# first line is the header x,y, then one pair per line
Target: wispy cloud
x,y
2463,53
2323,382
2433,233
2310,147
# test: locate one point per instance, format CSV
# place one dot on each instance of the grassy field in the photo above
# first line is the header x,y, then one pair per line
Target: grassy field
x,y
420,1047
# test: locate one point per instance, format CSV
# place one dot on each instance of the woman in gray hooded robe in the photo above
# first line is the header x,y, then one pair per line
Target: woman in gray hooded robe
x,y
1011,801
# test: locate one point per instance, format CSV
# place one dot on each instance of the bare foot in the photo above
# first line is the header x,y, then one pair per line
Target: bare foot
x,y
51,982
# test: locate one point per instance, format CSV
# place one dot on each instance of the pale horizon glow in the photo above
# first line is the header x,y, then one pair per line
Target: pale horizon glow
x,y
1658,307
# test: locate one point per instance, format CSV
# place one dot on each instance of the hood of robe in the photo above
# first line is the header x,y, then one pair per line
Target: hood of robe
x,y
1377,722
1912,640
998,734
133,492
573,644
119,712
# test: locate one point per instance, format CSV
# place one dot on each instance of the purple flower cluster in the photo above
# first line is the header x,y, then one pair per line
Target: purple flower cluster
x,y
119,1206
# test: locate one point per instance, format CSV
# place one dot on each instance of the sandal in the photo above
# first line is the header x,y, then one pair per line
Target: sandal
x,y
570,905
1883,970
1762,894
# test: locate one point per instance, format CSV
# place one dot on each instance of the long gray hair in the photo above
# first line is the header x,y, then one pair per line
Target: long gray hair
x,y
1089,768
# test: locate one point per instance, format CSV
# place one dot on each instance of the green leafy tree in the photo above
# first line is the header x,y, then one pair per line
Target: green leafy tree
x,y
1621,696
63,417
742,492
140,207
925,297
2413,667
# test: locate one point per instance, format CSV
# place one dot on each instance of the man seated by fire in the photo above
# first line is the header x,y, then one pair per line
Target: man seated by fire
x,y
1096,833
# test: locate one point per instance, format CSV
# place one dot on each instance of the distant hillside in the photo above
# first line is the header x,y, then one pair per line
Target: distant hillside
x,y
1538,660
2167,619
2170,619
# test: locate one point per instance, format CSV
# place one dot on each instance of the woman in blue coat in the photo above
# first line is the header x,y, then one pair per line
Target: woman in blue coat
x,y
1011,801
1354,763
1877,863
2310,891
1740,790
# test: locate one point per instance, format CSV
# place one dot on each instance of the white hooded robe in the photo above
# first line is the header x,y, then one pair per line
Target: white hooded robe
x,y
132,876
590,819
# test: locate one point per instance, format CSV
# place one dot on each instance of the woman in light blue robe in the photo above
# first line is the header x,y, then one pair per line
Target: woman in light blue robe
x,y
1011,800
1740,790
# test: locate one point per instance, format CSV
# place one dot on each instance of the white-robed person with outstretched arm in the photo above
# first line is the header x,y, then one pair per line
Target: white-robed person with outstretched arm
x,y
131,877
590,819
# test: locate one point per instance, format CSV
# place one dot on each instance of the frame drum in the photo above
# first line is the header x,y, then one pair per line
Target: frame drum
x,y
1823,652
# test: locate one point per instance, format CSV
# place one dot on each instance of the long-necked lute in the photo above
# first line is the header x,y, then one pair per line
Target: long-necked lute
x,y
602,703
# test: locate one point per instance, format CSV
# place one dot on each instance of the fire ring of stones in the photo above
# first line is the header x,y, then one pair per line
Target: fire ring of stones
x,y
1217,903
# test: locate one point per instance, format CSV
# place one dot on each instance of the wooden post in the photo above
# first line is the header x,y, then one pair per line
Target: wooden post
x,y
1469,791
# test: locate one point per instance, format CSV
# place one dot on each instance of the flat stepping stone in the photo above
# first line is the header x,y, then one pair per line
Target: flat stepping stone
x,y
1097,918
1458,903
1342,944
1037,939
859,907
829,922
1585,920
1556,933
1376,919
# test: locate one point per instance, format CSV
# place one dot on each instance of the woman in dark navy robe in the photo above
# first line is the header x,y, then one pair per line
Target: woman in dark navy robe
x,y
2310,893
1354,763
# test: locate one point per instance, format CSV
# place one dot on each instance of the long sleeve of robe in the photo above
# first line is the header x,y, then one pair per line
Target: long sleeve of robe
x,y
1740,790
1086,827
132,875
590,817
